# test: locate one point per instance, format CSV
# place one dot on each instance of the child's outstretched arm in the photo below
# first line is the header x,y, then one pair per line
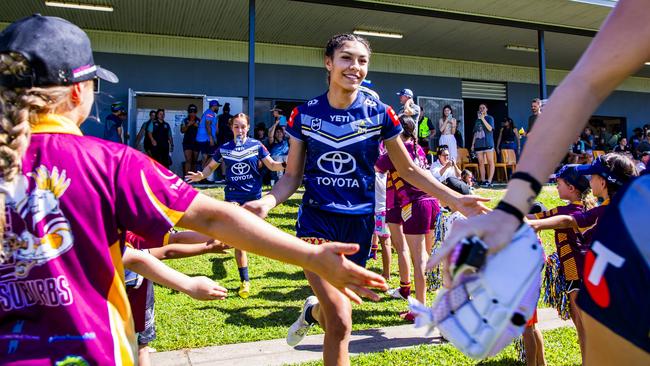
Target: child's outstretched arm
x,y
243,230
175,251
555,222
200,288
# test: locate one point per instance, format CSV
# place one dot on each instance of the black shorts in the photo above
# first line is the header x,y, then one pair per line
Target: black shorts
x,y
617,271
190,146
316,226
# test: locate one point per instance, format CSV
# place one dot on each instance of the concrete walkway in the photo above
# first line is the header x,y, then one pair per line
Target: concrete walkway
x,y
277,352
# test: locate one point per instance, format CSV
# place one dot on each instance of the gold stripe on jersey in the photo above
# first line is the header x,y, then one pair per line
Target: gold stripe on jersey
x,y
565,250
119,313
570,269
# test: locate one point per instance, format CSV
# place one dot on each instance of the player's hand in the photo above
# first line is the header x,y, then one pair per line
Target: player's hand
x,y
470,205
496,229
203,288
154,143
194,177
260,207
217,247
353,281
211,142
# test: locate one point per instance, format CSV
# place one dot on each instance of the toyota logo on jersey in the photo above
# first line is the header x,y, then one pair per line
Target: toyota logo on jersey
x,y
337,163
240,168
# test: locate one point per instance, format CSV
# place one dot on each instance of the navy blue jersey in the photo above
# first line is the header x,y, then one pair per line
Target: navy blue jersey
x,y
617,266
243,178
342,147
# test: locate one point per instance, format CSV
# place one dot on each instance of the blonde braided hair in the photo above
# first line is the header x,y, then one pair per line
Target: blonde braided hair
x,y
19,110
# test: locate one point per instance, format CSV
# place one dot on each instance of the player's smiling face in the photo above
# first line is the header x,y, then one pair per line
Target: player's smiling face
x,y
349,65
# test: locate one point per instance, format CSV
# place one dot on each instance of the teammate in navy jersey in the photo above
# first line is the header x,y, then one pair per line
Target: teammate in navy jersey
x,y
242,157
335,139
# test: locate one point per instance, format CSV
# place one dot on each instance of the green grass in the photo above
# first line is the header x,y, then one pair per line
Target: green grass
x,y
278,291
561,349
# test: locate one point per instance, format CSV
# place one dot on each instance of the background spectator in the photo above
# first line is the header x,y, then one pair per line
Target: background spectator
x,y
636,139
622,146
260,134
509,137
113,123
445,166
642,164
142,134
278,148
161,133
644,145
224,131
536,108
189,129
406,100
205,140
483,144
447,125
588,138
224,134
577,153
278,117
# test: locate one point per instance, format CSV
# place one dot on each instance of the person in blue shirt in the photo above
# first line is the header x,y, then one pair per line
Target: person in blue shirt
x,y
334,146
278,117
206,140
278,148
113,123
241,157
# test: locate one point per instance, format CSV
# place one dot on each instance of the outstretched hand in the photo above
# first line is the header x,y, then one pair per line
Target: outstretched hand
x,y
352,280
194,177
203,288
471,205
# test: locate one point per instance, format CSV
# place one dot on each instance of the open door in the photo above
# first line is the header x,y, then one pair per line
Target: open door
x,y
175,106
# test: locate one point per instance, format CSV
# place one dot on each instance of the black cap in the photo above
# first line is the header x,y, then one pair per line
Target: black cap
x,y
58,51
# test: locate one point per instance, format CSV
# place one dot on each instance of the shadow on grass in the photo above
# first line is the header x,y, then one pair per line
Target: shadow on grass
x,y
297,294
503,362
376,341
297,275
218,267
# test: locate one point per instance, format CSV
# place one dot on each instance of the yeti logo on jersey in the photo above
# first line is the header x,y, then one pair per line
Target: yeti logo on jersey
x,y
595,267
316,124
312,102
337,163
240,168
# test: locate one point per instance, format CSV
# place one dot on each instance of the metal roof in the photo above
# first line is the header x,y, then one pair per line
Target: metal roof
x,y
308,24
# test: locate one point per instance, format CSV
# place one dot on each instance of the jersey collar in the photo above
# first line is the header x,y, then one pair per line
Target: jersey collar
x,y
54,123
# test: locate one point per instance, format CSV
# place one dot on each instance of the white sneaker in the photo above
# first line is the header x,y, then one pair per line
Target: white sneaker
x,y
395,294
300,327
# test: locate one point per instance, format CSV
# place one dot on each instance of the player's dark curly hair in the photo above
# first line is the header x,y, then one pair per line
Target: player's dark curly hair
x,y
337,41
